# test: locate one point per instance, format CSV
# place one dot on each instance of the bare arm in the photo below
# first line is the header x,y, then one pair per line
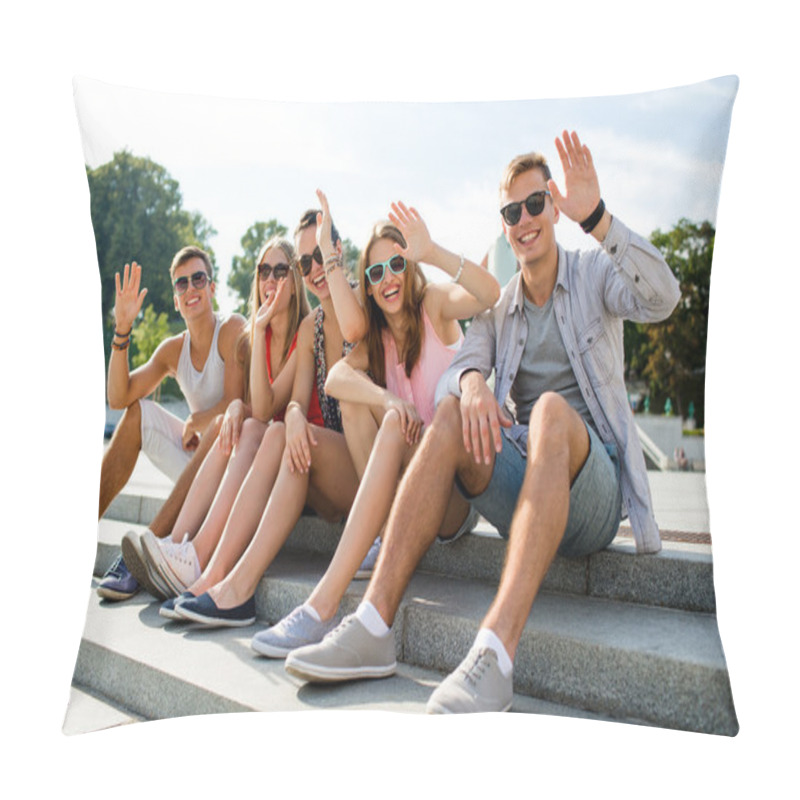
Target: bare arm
x,y
475,289
352,318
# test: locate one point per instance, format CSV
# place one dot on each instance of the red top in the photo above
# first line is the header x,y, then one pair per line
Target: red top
x,y
314,411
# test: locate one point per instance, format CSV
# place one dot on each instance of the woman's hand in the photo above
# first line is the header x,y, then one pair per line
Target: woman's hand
x,y
299,439
266,311
410,420
231,426
191,434
418,241
129,299
324,226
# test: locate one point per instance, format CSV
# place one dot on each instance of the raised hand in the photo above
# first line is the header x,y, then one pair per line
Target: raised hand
x,y
580,178
414,230
324,225
129,299
267,310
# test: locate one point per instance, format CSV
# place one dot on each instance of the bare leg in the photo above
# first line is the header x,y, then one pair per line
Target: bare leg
x,y
245,514
330,486
421,504
360,423
558,445
170,513
390,454
209,502
120,457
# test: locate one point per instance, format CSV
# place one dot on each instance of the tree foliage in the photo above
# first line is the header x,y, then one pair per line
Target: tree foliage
x,y
671,355
138,215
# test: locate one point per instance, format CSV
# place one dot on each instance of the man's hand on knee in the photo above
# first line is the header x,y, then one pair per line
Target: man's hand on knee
x,y
481,418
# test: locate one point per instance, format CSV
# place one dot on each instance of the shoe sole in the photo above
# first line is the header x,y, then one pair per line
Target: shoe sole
x,y
361,575
435,708
212,622
313,673
155,561
137,565
269,650
111,594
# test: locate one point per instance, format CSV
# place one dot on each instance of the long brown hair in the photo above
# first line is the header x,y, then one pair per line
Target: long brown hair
x,y
413,293
298,305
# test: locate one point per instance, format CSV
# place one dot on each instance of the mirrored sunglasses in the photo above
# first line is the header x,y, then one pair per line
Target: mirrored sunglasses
x,y
199,280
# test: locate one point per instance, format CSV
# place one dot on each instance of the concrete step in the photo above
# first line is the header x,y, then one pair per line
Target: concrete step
x,y
680,576
161,669
624,660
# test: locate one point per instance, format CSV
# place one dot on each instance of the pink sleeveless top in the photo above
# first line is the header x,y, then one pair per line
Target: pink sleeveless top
x,y
434,359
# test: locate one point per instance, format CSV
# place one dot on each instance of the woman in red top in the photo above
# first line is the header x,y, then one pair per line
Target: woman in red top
x,y
246,450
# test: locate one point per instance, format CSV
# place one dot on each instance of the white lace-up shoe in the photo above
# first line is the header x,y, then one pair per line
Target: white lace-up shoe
x,y
368,564
176,564
476,685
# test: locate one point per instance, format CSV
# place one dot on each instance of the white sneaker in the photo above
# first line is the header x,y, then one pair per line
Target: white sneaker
x,y
177,564
476,685
368,564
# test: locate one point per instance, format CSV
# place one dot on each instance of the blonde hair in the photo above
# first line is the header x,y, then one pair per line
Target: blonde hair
x,y
524,163
298,305
412,306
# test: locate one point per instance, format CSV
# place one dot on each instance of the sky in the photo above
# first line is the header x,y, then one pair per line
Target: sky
x,y
421,51
659,157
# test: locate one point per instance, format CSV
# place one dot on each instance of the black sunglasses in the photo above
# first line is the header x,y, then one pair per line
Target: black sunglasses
x,y
305,261
199,280
375,272
534,203
280,271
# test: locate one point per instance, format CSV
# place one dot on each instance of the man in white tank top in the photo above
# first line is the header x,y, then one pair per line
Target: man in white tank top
x,y
204,362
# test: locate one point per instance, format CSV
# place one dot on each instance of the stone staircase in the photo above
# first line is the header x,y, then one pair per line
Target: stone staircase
x,y
613,636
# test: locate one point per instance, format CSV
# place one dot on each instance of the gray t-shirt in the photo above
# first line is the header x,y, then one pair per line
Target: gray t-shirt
x,y
545,365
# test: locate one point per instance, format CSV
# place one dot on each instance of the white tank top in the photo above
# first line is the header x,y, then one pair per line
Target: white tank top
x,y
206,388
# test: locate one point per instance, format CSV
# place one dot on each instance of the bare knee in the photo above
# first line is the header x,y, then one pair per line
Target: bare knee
x,y
555,427
446,426
273,440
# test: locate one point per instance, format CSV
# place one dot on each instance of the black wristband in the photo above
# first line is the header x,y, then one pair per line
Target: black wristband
x,y
122,335
590,223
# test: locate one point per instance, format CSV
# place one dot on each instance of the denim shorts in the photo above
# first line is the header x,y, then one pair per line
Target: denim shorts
x,y
595,497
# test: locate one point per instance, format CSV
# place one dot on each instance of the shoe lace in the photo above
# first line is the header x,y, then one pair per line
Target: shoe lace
x,y
474,669
117,568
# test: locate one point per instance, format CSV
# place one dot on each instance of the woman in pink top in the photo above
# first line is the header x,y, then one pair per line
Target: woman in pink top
x,y
386,389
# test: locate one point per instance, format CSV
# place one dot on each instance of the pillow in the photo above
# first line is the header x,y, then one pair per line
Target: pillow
x,y
620,637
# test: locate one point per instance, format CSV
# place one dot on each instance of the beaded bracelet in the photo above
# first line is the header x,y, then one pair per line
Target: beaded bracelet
x,y
335,261
122,346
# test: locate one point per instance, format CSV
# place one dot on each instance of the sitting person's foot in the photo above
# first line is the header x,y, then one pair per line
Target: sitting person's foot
x,y
297,629
118,583
204,610
176,564
477,684
136,562
348,652
167,608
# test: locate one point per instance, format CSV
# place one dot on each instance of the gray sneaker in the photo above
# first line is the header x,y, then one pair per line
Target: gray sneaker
x,y
476,685
297,629
137,564
368,564
348,652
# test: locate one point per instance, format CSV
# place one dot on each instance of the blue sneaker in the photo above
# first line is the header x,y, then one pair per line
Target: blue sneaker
x,y
118,583
205,611
167,609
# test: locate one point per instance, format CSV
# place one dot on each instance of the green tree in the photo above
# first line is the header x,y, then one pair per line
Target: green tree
x,y
671,355
240,279
138,215
148,333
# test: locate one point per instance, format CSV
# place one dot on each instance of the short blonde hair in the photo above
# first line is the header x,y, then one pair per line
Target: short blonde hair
x,y
524,163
